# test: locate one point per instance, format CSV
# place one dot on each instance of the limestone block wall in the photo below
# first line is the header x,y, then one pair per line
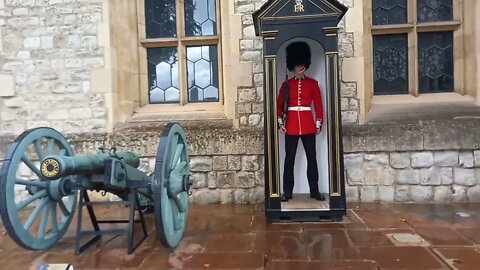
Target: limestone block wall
x,y
347,43
48,51
429,161
250,99
439,176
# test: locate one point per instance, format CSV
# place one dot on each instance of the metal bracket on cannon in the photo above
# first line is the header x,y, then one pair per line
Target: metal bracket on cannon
x,y
37,209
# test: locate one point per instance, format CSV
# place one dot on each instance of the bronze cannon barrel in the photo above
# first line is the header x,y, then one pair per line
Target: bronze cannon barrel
x,y
54,166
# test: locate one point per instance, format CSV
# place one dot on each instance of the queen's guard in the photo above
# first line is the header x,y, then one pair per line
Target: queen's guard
x,y
298,120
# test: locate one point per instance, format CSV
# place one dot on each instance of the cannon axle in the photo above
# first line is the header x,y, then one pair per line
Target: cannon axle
x,y
57,189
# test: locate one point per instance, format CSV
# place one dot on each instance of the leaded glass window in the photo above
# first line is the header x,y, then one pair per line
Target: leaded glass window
x,y
163,75
390,64
200,18
182,51
160,18
389,12
435,62
202,73
413,53
434,10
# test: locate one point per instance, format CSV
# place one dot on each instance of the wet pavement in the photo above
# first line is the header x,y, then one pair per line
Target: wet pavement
x,y
372,236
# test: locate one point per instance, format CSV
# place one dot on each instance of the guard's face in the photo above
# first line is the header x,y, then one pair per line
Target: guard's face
x,y
299,70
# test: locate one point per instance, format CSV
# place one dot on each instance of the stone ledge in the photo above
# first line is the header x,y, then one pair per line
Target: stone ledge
x,y
158,125
459,134
210,138
219,137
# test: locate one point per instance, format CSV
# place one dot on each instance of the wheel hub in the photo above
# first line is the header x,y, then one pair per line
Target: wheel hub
x,y
187,183
57,189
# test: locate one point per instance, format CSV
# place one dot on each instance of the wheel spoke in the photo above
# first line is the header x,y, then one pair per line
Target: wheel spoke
x,y
35,183
177,224
176,157
38,149
181,166
50,144
63,152
34,214
178,204
30,199
175,140
63,208
32,166
43,222
54,218
172,147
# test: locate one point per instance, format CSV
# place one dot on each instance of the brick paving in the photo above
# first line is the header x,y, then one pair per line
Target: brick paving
x,y
238,237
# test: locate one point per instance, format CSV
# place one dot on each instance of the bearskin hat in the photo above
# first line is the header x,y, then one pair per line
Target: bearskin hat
x,y
298,53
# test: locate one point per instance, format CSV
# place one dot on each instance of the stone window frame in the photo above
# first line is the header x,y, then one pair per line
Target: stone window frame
x,y
412,28
181,41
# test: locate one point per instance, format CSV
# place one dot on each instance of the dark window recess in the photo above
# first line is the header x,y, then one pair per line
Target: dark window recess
x,y
389,12
434,10
160,21
390,64
200,18
202,71
435,62
163,75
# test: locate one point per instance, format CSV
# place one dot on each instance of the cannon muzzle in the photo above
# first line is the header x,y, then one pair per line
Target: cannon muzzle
x,y
55,166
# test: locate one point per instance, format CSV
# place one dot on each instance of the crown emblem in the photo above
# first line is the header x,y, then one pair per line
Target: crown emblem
x,y
299,6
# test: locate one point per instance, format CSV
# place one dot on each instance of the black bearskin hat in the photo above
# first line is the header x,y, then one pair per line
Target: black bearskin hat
x,y
298,53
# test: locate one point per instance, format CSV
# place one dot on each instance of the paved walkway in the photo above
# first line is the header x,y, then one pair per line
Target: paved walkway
x,y
372,236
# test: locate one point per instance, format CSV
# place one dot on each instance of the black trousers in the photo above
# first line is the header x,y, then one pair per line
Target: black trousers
x,y
291,143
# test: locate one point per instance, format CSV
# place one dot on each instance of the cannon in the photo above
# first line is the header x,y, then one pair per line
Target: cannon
x,y
42,181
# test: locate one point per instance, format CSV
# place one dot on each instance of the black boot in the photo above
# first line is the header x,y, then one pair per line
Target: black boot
x,y
286,197
317,196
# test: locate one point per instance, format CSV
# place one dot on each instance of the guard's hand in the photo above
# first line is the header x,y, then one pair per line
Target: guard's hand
x,y
283,129
319,130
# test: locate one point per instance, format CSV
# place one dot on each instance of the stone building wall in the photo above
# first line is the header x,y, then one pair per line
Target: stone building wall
x,y
436,160
48,51
250,100
439,176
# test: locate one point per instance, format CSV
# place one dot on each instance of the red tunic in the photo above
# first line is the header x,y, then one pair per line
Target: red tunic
x,y
300,120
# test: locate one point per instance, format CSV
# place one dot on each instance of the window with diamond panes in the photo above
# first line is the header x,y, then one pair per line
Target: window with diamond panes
x,y
201,17
434,10
413,45
435,62
160,18
389,12
202,73
182,44
390,70
163,75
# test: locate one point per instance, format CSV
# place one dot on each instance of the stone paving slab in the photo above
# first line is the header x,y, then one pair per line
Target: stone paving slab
x,y
239,237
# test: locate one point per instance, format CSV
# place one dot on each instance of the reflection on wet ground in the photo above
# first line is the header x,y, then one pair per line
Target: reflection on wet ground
x,y
371,236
